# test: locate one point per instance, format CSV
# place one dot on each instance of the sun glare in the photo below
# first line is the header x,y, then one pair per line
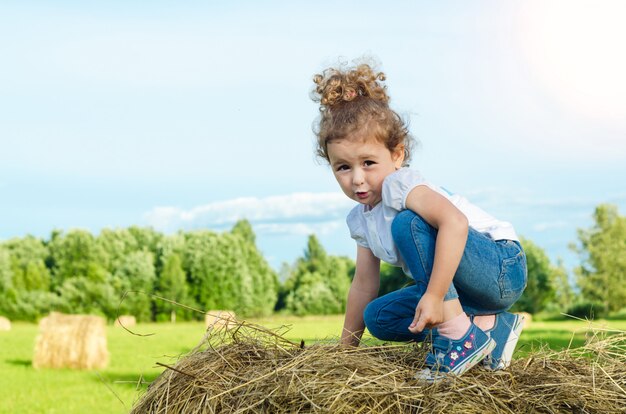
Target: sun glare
x,y
576,49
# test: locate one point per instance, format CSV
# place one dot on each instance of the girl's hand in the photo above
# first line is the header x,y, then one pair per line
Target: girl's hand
x,y
428,313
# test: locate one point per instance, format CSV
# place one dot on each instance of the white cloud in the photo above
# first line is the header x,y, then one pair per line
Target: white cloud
x,y
523,198
297,213
302,229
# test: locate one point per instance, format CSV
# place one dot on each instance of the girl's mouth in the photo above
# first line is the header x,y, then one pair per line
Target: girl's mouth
x,y
361,194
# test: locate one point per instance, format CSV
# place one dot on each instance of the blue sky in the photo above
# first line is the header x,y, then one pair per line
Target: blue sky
x,y
193,115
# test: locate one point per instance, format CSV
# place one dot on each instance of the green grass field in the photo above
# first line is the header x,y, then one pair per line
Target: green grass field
x,y
133,360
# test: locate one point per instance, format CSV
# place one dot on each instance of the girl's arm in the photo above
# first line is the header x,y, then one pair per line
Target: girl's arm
x,y
363,290
452,227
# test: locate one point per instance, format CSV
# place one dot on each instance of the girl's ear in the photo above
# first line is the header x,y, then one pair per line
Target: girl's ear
x,y
398,156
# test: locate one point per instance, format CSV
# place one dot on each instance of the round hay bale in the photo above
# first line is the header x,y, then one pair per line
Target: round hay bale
x,y
126,320
252,370
218,319
5,324
528,318
71,341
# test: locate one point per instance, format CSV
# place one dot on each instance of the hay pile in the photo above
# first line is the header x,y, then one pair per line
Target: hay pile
x,y
248,369
5,324
71,341
126,320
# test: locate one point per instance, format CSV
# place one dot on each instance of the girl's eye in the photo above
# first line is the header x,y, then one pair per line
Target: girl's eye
x,y
342,167
369,163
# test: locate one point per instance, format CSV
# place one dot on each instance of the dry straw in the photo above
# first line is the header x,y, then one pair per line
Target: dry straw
x,y
71,341
217,319
249,369
5,324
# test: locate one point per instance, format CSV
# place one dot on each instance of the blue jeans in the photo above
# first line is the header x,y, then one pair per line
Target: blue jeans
x,y
490,278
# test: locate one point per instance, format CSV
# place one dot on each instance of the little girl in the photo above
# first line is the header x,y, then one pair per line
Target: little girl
x,y
468,267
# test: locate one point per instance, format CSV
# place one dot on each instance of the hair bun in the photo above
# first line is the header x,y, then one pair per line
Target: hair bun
x,y
337,86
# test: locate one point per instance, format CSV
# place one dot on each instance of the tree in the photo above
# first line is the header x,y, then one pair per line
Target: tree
x,y
28,256
168,245
34,277
564,294
602,273
338,279
263,280
146,238
540,288
219,276
116,244
27,249
315,259
25,280
6,274
136,274
76,254
319,284
209,266
31,305
243,228
83,295
7,292
172,285
392,278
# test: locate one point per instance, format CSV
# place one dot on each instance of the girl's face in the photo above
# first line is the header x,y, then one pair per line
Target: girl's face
x,y
361,166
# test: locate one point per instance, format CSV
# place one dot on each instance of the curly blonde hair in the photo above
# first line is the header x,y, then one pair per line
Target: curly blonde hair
x,y
354,100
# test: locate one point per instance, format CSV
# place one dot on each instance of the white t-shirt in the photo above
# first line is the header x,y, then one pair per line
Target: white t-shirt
x,y
372,228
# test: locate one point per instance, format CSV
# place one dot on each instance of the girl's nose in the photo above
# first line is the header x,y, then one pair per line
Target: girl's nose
x,y
358,178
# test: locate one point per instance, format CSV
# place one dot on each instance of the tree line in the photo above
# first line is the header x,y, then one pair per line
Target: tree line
x,y
77,272
129,271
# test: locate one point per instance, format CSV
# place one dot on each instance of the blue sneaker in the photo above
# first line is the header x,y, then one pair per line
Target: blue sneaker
x,y
454,357
505,332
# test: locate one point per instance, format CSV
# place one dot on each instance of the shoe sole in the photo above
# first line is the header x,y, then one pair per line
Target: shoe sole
x,y
478,357
509,348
